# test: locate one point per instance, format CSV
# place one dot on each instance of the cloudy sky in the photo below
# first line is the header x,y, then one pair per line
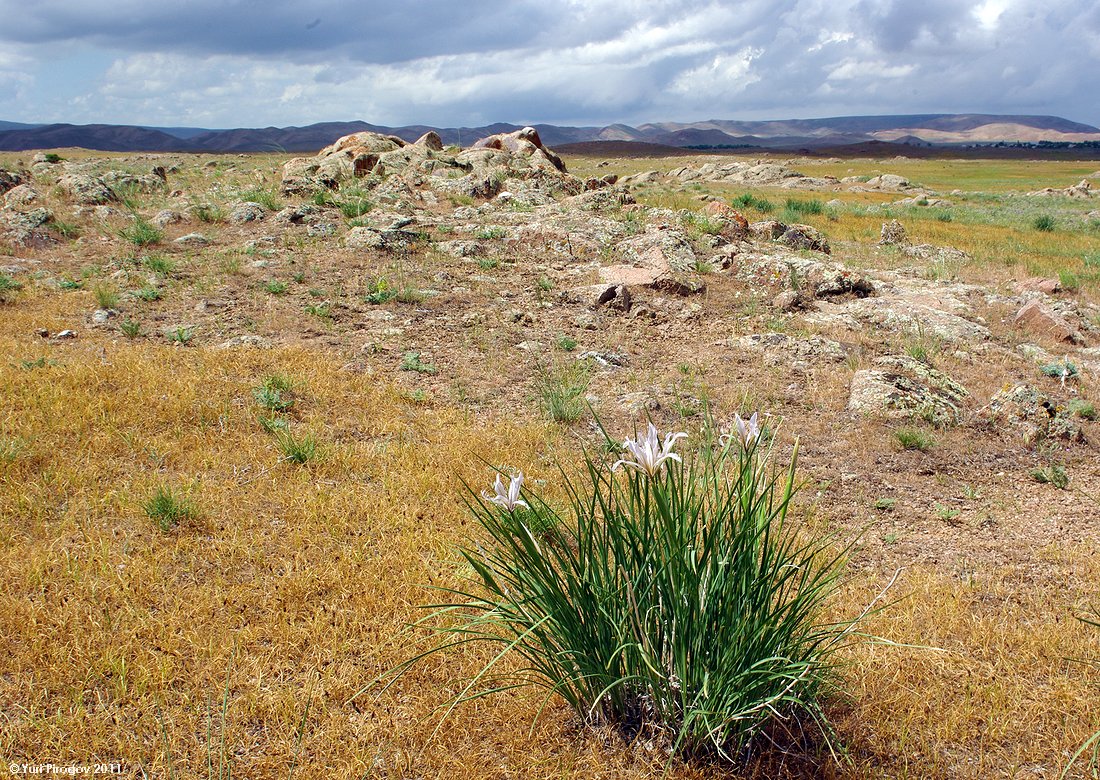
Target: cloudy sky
x,y
250,63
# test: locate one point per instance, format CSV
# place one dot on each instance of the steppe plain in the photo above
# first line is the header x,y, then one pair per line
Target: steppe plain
x,y
311,362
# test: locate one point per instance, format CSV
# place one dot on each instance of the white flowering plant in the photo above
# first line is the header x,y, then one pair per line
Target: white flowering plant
x,y
670,594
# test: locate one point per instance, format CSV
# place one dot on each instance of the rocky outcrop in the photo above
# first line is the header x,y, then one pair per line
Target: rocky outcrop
x,y
901,387
85,189
1036,319
1031,415
388,163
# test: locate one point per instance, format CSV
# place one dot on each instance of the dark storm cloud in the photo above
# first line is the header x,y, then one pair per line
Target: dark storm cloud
x,y
225,63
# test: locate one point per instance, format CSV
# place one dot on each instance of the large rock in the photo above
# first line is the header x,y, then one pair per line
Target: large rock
x,y
1038,320
1031,415
902,387
85,189
892,232
10,179
804,237
779,349
661,251
524,143
351,157
20,195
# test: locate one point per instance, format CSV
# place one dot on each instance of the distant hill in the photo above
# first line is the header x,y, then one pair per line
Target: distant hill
x,y
939,130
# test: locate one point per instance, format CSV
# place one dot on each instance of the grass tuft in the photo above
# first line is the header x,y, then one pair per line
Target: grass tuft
x,y
168,510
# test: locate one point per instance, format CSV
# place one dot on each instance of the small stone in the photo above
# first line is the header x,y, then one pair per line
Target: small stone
x,y
192,239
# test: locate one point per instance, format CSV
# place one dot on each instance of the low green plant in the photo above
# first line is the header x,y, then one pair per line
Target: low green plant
x,y
167,509
1055,475
1063,370
1070,281
914,439
208,212
380,292
130,328
64,229
1086,410
488,263
411,361
69,284
276,286
274,424
1043,223
267,198
409,294
562,392
106,296
297,450
566,343
147,293
491,233
666,598
52,157
750,201
885,504
946,513
181,335
9,287
321,311
804,207
158,264
353,208
275,393
544,284
141,232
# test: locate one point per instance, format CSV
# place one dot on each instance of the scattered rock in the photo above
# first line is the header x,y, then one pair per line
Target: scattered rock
x,y
1032,415
247,340
800,354
166,217
1038,284
906,388
20,195
246,211
192,239
804,237
1037,319
85,189
893,232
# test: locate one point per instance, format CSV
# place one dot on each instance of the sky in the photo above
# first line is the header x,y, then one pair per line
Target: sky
x,y
254,63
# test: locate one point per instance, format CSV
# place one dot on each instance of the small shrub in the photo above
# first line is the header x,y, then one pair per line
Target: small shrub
x,y
1086,410
158,264
488,263
181,335
380,292
804,207
567,343
52,158
269,199
69,284
886,504
208,212
64,229
1063,370
297,450
275,393
409,294
562,392
355,207
544,284
410,361
9,287
106,297
1043,223
147,293
168,510
914,439
130,329
274,424
1051,475
668,599
276,286
1070,281
141,232
750,201
321,311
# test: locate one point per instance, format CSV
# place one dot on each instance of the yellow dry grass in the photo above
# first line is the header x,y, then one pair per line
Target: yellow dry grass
x,y
243,636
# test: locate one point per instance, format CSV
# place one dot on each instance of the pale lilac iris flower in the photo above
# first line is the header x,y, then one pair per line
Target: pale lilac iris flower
x,y
748,431
649,454
507,496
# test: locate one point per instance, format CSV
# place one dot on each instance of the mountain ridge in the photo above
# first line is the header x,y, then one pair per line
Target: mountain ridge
x,y
901,129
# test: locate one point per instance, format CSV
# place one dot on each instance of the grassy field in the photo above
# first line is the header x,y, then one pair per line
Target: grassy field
x,y
237,624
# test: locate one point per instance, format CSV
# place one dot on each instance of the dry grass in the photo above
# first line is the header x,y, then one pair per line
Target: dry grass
x,y
279,599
